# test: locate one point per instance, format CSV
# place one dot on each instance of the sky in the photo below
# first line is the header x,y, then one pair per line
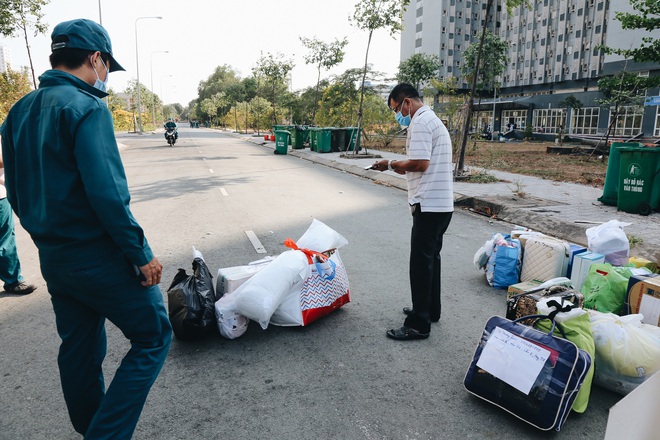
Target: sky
x,y
203,34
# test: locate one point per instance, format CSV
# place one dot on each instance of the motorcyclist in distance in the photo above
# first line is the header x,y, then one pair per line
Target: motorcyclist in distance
x,y
171,125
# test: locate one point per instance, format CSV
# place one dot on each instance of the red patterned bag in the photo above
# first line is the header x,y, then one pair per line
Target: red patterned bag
x,y
326,289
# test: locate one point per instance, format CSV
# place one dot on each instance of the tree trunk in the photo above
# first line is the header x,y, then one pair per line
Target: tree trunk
x,y
364,76
27,45
316,96
466,127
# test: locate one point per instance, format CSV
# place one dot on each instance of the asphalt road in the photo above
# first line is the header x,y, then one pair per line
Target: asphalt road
x,y
339,378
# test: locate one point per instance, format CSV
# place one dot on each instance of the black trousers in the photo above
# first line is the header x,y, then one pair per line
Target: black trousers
x,y
425,246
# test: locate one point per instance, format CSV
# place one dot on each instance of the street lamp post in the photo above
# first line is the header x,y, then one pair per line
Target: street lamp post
x,y
161,86
137,68
153,92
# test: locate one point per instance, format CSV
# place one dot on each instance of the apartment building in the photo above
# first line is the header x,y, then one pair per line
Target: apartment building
x,y
5,59
553,53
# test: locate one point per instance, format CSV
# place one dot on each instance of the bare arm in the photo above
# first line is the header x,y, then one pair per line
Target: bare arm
x,y
402,166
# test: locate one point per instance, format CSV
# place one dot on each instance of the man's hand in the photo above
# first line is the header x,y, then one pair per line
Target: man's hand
x,y
380,165
152,272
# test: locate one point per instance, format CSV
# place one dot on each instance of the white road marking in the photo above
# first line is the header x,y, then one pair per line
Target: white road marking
x,y
224,192
255,242
211,170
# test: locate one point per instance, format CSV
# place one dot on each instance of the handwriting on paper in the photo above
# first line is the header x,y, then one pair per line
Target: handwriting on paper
x,y
512,359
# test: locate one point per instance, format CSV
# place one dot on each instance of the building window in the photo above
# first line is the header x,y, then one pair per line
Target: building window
x,y
584,120
549,120
628,121
418,42
518,117
656,132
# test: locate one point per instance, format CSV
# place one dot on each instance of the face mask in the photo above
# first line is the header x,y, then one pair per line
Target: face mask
x,y
98,84
402,120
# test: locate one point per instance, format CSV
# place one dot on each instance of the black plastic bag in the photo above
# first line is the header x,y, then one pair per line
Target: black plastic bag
x,y
191,301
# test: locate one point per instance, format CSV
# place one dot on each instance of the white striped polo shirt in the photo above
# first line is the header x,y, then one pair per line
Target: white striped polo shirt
x,y
428,139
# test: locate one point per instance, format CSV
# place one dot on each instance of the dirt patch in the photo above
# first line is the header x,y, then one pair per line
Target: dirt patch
x,y
531,159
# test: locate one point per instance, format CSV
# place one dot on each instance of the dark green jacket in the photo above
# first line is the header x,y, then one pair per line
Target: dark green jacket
x,y
64,176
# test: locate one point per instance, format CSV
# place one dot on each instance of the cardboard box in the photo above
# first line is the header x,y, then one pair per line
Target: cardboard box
x,y
231,278
644,298
523,287
573,250
627,310
636,415
581,264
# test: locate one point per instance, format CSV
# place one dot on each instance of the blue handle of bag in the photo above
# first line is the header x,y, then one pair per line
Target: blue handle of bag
x,y
331,276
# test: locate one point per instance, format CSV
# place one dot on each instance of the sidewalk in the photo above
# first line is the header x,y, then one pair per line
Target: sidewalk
x,y
563,210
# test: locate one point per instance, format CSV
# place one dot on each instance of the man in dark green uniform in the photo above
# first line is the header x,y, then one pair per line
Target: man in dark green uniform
x,y
66,182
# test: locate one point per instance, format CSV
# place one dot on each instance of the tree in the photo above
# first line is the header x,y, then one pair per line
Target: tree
x,y
510,4
647,20
370,15
493,55
147,96
14,85
624,89
274,70
17,16
418,68
570,102
323,56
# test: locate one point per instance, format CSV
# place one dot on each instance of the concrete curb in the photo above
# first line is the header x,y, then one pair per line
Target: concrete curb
x,y
497,210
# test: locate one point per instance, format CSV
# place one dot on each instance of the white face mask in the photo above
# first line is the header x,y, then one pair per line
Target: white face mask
x,y
98,84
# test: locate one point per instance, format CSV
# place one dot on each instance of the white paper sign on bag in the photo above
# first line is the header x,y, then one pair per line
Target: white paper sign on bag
x,y
650,308
512,359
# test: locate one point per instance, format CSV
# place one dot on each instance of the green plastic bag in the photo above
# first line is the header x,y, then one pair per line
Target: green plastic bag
x,y
578,331
605,288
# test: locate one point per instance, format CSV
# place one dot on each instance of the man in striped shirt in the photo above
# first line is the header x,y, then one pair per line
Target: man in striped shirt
x,y
428,170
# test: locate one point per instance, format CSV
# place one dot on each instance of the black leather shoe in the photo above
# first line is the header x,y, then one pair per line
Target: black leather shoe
x,y
406,334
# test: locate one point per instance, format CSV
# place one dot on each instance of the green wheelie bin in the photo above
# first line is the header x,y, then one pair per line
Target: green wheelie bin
x,y
611,186
338,139
281,141
298,137
639,180
324,140
351,138
313,133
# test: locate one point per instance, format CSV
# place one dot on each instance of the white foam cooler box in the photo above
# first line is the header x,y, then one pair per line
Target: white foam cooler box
x,y
581,264
544,258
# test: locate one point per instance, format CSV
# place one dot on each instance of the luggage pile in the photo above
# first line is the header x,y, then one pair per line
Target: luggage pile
x,y
295,288
574,315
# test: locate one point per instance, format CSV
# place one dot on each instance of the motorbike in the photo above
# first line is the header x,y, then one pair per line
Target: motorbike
x,y
170,135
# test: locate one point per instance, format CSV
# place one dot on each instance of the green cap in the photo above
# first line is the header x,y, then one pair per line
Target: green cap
x,y
83,34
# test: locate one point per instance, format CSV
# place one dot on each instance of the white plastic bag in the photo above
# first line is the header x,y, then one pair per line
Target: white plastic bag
x,y
483,254
259,297
320,237
627,351
230,323
610,240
